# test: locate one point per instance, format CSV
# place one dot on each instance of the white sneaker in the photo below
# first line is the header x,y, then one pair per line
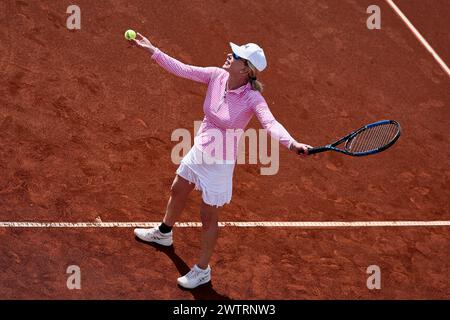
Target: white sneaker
x,y
195,277
154,235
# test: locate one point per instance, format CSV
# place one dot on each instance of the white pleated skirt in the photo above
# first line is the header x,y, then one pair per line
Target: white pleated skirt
x,y
213,178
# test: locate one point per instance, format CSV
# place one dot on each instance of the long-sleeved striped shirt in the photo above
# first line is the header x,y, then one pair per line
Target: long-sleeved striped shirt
x,y
227,112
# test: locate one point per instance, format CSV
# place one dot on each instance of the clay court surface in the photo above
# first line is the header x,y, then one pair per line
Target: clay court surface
x,y
85,127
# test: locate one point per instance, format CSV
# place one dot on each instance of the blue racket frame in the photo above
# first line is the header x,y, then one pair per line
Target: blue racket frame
x,y
332,146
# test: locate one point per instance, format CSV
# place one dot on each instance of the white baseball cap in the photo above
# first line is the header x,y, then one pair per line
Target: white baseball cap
x,y
251,52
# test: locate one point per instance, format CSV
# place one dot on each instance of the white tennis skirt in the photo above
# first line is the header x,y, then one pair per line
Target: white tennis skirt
x,y
213,178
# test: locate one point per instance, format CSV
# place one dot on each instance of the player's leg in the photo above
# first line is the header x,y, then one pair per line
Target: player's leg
x,y
162,235
201,272
210,231
179,193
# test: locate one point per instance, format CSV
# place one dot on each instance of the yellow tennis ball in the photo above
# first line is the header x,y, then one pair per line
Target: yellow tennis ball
x,y
130,34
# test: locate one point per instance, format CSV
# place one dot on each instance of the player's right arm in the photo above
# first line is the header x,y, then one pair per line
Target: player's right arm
x,y
174,66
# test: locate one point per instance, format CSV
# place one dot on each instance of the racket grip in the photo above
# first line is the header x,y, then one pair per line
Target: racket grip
x,y
317,150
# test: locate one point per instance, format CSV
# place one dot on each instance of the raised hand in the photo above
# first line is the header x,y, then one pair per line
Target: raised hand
x,y
144,43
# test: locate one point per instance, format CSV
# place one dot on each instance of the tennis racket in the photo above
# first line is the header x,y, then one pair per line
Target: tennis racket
x,y
367,140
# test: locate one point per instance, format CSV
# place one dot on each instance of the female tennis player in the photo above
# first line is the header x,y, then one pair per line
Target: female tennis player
x,y
232,98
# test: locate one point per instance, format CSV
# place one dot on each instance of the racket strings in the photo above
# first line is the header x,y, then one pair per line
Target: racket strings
x,y
377,137
373,138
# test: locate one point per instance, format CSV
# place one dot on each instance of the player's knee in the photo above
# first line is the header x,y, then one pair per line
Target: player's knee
x,y
179,189
175,190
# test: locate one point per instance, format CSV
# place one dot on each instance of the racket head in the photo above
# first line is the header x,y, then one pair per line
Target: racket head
x,y
373,138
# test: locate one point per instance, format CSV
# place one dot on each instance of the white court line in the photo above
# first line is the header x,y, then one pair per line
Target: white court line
x,y
297,224
419,36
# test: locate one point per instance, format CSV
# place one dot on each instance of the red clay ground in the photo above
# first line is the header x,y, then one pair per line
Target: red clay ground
x,y
85,125
253,264
432,17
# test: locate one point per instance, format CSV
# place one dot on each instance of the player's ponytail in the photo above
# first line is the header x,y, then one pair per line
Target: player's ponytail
x,y
256,85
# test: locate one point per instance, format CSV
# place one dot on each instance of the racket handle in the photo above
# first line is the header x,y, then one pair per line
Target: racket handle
x,y
317,150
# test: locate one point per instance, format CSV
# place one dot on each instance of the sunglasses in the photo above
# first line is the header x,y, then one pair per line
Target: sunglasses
x,y
236,57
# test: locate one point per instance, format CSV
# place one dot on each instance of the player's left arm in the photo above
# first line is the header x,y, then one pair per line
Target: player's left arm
x,y
174,66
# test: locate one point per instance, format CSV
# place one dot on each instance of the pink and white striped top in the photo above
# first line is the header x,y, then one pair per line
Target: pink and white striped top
x,y
227,112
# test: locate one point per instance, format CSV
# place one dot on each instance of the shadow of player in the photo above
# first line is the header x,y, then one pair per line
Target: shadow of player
x,y
203,292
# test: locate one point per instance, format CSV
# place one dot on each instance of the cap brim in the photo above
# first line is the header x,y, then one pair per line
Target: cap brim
x,y
241,53
237,50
